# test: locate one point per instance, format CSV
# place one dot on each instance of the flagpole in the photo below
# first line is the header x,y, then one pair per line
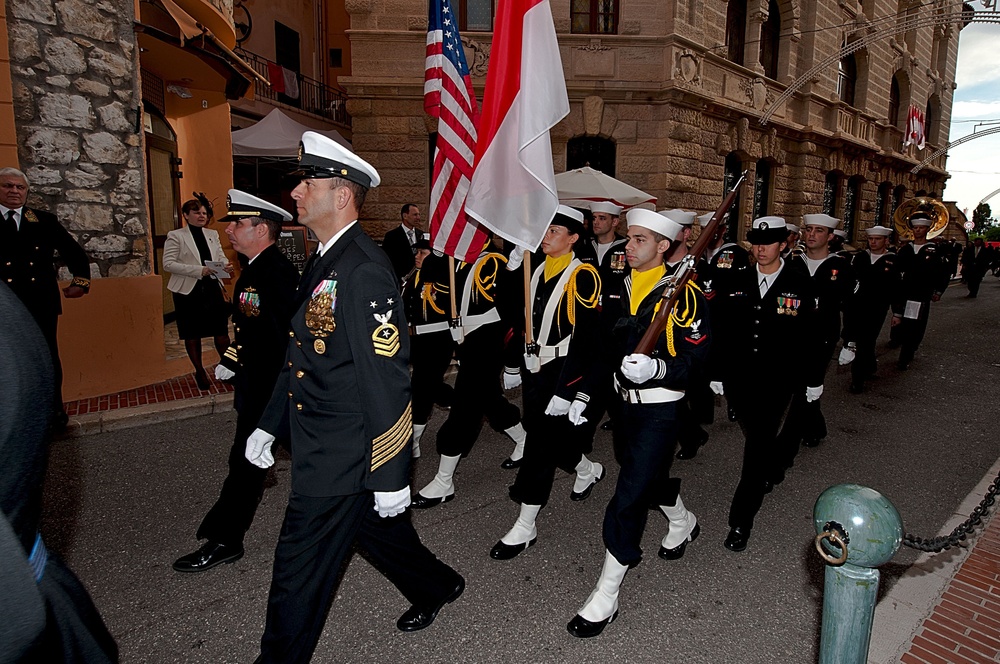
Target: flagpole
x,y
526,266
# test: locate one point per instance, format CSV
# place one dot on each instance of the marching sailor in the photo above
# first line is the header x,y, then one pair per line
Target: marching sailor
x,y
878,284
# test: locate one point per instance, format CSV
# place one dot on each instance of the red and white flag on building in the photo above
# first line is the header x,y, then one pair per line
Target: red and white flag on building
x,y
513,189
914,128
449,97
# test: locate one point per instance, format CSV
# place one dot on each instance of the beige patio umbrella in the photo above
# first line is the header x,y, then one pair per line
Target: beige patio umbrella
x,y
582,186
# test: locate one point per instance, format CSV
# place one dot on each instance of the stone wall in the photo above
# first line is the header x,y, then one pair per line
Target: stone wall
x,y
76,96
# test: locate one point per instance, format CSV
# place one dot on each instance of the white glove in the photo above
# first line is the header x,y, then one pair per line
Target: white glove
x,y
847,354
557,406
259,449
575,413
511,378
813,393
391,503
222,373
716,387
516,258
639,368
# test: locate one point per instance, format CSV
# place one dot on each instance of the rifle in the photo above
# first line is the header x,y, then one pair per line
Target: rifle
x,y
686,271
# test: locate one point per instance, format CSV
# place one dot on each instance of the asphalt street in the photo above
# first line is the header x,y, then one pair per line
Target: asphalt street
x,y
121,506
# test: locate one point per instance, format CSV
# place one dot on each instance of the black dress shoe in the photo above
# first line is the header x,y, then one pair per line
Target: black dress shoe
x,y
731,414
768,486
856,387
811,442
678,551
421,502
737,538
59,421
208,556
608,426
417,618
510,464
902,366
201,378
582,628
583,495
504,551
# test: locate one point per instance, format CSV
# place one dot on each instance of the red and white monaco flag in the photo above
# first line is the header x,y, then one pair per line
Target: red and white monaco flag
x,y
914,128
513,189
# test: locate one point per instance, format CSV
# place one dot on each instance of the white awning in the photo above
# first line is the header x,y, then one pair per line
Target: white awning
x,y
276,135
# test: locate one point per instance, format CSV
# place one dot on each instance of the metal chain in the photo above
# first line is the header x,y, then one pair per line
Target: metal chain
x,y
959,535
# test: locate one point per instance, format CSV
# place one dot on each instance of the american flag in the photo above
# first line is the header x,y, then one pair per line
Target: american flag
x,y
448,96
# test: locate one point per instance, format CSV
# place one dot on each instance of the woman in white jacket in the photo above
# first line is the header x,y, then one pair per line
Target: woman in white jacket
x,y
202,310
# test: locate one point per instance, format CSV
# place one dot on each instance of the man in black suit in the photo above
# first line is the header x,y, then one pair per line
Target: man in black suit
x,y
262,306
399,244
343,398
46,614
976,262
29,239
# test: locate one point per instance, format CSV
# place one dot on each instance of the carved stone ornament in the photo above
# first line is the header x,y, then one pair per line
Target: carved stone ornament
x,y
480,57
758,96
688,67
594,47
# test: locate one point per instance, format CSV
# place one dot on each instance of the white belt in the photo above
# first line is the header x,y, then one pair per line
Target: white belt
x,y
428,328
472,323
648,395
548,353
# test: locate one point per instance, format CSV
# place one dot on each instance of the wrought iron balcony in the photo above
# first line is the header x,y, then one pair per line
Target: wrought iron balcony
x,y
314,97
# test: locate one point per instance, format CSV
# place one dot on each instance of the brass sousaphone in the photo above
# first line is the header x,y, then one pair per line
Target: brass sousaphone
x,y
934,208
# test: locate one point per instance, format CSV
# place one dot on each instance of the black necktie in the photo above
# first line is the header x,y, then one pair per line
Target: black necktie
x,y
11,225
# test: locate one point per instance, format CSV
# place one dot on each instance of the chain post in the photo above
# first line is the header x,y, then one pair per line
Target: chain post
x,y
857,529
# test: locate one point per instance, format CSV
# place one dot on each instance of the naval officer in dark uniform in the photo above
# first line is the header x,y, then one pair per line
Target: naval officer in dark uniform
x,y
262,306
343,399
29,240
925,276
878,283
768,306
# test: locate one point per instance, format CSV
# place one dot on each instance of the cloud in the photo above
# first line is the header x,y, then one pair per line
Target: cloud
x,y
977,61
975,110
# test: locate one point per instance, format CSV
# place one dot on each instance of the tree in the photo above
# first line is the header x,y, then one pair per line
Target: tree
x,y
983,220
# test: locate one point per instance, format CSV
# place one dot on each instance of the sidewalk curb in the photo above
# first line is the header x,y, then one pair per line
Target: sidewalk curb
x,y
138,416
900,614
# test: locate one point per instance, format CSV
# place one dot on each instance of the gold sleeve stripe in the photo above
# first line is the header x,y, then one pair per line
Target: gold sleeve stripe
x,y
393,441
231,354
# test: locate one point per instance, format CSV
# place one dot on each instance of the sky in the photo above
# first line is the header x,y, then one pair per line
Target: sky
x,y
975,165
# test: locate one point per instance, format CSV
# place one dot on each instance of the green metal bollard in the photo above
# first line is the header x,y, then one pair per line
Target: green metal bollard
x,y
857,529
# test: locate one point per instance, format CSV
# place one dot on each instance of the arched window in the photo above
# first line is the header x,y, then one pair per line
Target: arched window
x,y
847,79
895,100
733,169
474,15
593,151
736,30
930,120
830,191
852,205
882,197
594,17
770,37
762,189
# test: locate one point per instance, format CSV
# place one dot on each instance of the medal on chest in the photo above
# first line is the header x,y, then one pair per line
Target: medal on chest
x,y
249,302
833,275
618,261
319,313
725,260
788,306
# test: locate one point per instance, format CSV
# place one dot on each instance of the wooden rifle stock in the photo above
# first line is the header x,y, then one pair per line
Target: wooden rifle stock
x,y
686,271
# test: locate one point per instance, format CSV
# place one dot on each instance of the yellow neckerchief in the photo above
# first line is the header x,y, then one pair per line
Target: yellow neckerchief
x,y
554,266
642,285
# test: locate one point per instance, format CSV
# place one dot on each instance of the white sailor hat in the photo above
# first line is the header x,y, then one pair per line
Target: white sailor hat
x,y
704,219
919,219
879,231
820,219
682,217
841,233
767,230
323,157
793,228
240,204
569,217
607,207
654,221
